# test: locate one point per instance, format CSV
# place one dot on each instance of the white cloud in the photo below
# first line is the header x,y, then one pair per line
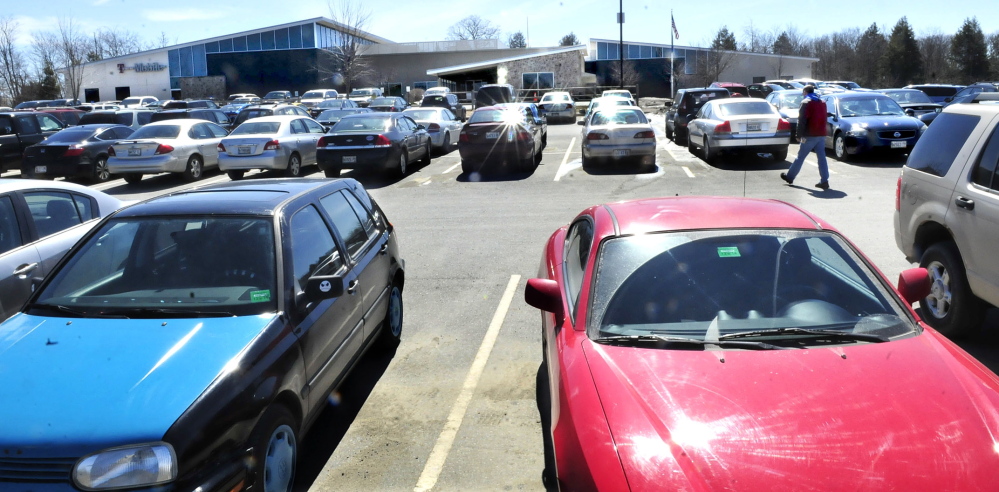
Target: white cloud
x,y
100,2
181,15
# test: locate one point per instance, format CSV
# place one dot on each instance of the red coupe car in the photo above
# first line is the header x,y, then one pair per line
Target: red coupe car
x,y
701,343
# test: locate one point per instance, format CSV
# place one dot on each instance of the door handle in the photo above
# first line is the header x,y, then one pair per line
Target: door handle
x,y
965,203
384,249
25,269
352,286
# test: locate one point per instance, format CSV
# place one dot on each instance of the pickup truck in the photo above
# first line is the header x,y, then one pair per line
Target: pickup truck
x,y
18,130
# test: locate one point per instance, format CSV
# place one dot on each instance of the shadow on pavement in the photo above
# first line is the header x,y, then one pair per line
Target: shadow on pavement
x,y
619,168
543,397
983,344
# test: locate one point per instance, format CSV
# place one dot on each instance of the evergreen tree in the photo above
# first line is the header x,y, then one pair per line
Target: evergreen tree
x,y
49,87
902,62
517,40
724,40
870,47
993,41
969,53
782,45
569,40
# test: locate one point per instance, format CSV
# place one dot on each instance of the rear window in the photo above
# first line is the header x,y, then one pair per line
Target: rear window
x,y
423,114
169,116
97,118
935,151
939,91
175,105
362,124
434,100
312,95
157,131
495,116
746,108
257,128
145,117
69,136
123,119
383,101
619,118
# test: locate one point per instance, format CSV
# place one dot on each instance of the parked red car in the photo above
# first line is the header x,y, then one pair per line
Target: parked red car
x,y
702,343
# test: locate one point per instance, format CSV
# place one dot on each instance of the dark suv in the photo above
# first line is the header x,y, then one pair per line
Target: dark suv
x,y
685,106
199,103
493,94
449,101
214,115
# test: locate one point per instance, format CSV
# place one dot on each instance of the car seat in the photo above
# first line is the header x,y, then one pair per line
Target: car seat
x,y
60,215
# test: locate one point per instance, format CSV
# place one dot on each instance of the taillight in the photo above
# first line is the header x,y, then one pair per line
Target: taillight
x,y
523,136
321,143
725,127
462,137
433,128
221,147
111,152
597,136
646,134
272,145
783,125
163,149
382,140
898,194
73,151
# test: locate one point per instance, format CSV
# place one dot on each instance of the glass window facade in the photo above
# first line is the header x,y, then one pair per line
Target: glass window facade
x,y
609,51
281,39
239,43
539,80
295,36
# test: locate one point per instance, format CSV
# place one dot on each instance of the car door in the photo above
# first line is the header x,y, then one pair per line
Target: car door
x,y
300,135
57,219
366,243
315,130
422,137
331,330
18,261
202,135
217,133
409,139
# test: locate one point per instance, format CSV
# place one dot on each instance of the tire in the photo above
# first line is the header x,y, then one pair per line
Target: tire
x,y
780,155
466,167
544,141
390,331
669,134
195,168
951,308
333,172
691,147
685,139
132,178
101,172
294,169
236,175
275,451
426,156
400,169
839,148
446,147
709,154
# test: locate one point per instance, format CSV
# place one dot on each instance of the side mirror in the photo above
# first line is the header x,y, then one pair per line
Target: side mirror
x,y
421,127
326,129
581,122
910,112
544,294
322,287
914,284
538,121
949,99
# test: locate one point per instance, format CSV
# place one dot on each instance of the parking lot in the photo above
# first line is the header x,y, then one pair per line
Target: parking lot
x,y
454,408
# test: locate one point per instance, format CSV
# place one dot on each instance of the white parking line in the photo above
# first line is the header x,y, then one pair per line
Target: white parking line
x,y
687,170
452,168
562,171
815,163
435,463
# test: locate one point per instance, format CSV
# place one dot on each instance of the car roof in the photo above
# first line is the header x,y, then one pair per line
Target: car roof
x,y
262,197
648,215
19,184
280,118
855,95
93,127
183,122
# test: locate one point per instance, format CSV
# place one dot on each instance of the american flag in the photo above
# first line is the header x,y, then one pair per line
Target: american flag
x,y
675,32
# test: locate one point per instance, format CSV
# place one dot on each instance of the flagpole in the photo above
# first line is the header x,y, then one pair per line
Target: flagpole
x,y
672,55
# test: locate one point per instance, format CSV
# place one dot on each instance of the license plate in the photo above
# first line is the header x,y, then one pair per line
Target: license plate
x,y
898,144
245,150
753,127
41,169
134,152
349,159
492,135
622,153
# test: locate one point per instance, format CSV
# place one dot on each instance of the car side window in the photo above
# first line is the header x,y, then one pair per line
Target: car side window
x,y
347,223
367,220
123,132
312,126
313,250
216,130
52,211
447,115
29,126
106,135
145,117
10,234
220,117
985,168
298,127
577,252
301,112
48,123
123,119
199,131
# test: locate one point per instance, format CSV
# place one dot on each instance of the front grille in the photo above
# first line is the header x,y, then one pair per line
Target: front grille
x,y
890,134
38,470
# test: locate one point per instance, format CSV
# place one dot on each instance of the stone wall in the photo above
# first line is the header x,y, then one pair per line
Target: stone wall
x,y
567,66
212,87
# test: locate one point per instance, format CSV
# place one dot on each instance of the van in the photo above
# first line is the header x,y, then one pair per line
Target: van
x,y
493,94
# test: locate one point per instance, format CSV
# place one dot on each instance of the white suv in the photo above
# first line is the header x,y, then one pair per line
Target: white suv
x,y
947,214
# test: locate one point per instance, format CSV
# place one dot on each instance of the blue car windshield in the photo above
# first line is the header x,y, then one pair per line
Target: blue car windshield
x,y
152,267
869,106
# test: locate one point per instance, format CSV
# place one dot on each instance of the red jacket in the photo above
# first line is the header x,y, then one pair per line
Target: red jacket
x,y
812,118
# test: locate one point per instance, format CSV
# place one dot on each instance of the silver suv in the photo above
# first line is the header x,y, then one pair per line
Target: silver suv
x,y
947,214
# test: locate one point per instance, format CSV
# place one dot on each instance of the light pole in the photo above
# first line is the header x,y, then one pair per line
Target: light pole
x,y
620,44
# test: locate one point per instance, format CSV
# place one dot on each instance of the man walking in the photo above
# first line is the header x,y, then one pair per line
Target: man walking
x,y
812,135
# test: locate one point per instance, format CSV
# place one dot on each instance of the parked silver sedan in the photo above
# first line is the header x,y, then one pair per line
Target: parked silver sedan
x,y
618,133
187,146
39,222
739,124
286,142
442,126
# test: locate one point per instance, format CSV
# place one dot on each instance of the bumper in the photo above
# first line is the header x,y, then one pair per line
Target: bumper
x,y
65,167
565,113
874,143
437,138
736,143
157,164
619,151
497,153
366,158
269,159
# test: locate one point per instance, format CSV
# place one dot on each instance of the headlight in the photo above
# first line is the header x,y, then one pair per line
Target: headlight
x,y
128,466
857,131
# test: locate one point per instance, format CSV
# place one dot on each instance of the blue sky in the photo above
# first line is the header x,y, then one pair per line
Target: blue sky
x,y
544,20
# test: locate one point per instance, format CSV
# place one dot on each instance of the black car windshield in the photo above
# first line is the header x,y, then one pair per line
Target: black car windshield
x,y
909,97
745,108
276,95
383,101
362,124
710,284
156,131
70,136
330,103
869,106
257,128
169,266
313,95
423,114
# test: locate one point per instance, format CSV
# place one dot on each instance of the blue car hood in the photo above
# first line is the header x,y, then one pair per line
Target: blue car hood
x,y
77,385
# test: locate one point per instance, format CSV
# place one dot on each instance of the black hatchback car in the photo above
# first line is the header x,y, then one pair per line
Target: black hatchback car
x,y
685,106
76,151
262,295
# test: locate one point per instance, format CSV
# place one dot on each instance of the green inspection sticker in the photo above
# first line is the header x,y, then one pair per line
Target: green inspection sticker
x,y
260,296
728,252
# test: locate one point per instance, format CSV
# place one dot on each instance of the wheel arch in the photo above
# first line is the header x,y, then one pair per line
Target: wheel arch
x,y
928,234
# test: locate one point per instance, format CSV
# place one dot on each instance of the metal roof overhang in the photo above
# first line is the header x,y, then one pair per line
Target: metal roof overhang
x,y
468,67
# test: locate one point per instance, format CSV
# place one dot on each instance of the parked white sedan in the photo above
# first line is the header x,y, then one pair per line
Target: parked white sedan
x,y
286,142
618,133
558,105
187,146
442,126
740,124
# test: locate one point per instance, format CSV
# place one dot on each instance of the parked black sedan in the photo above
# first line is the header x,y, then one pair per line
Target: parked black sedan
x,y
374,140
197,337
321,106
330,117
388,104
76,151
501,137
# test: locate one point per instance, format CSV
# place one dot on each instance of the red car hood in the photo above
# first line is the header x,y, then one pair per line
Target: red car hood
x,y
912,414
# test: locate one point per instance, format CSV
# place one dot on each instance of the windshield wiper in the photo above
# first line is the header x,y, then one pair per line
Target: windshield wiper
x,y
76,313
629,340
174,313
843,335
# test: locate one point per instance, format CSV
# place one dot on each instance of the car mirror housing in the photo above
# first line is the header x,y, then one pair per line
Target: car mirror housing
x,y
914,284
544,294
581,122
321,287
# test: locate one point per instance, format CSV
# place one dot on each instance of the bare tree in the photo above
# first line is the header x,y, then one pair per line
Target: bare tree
x,y
13,72
66,48
757,40
631,77
711,63
935,46
343,63
473,27
110,43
